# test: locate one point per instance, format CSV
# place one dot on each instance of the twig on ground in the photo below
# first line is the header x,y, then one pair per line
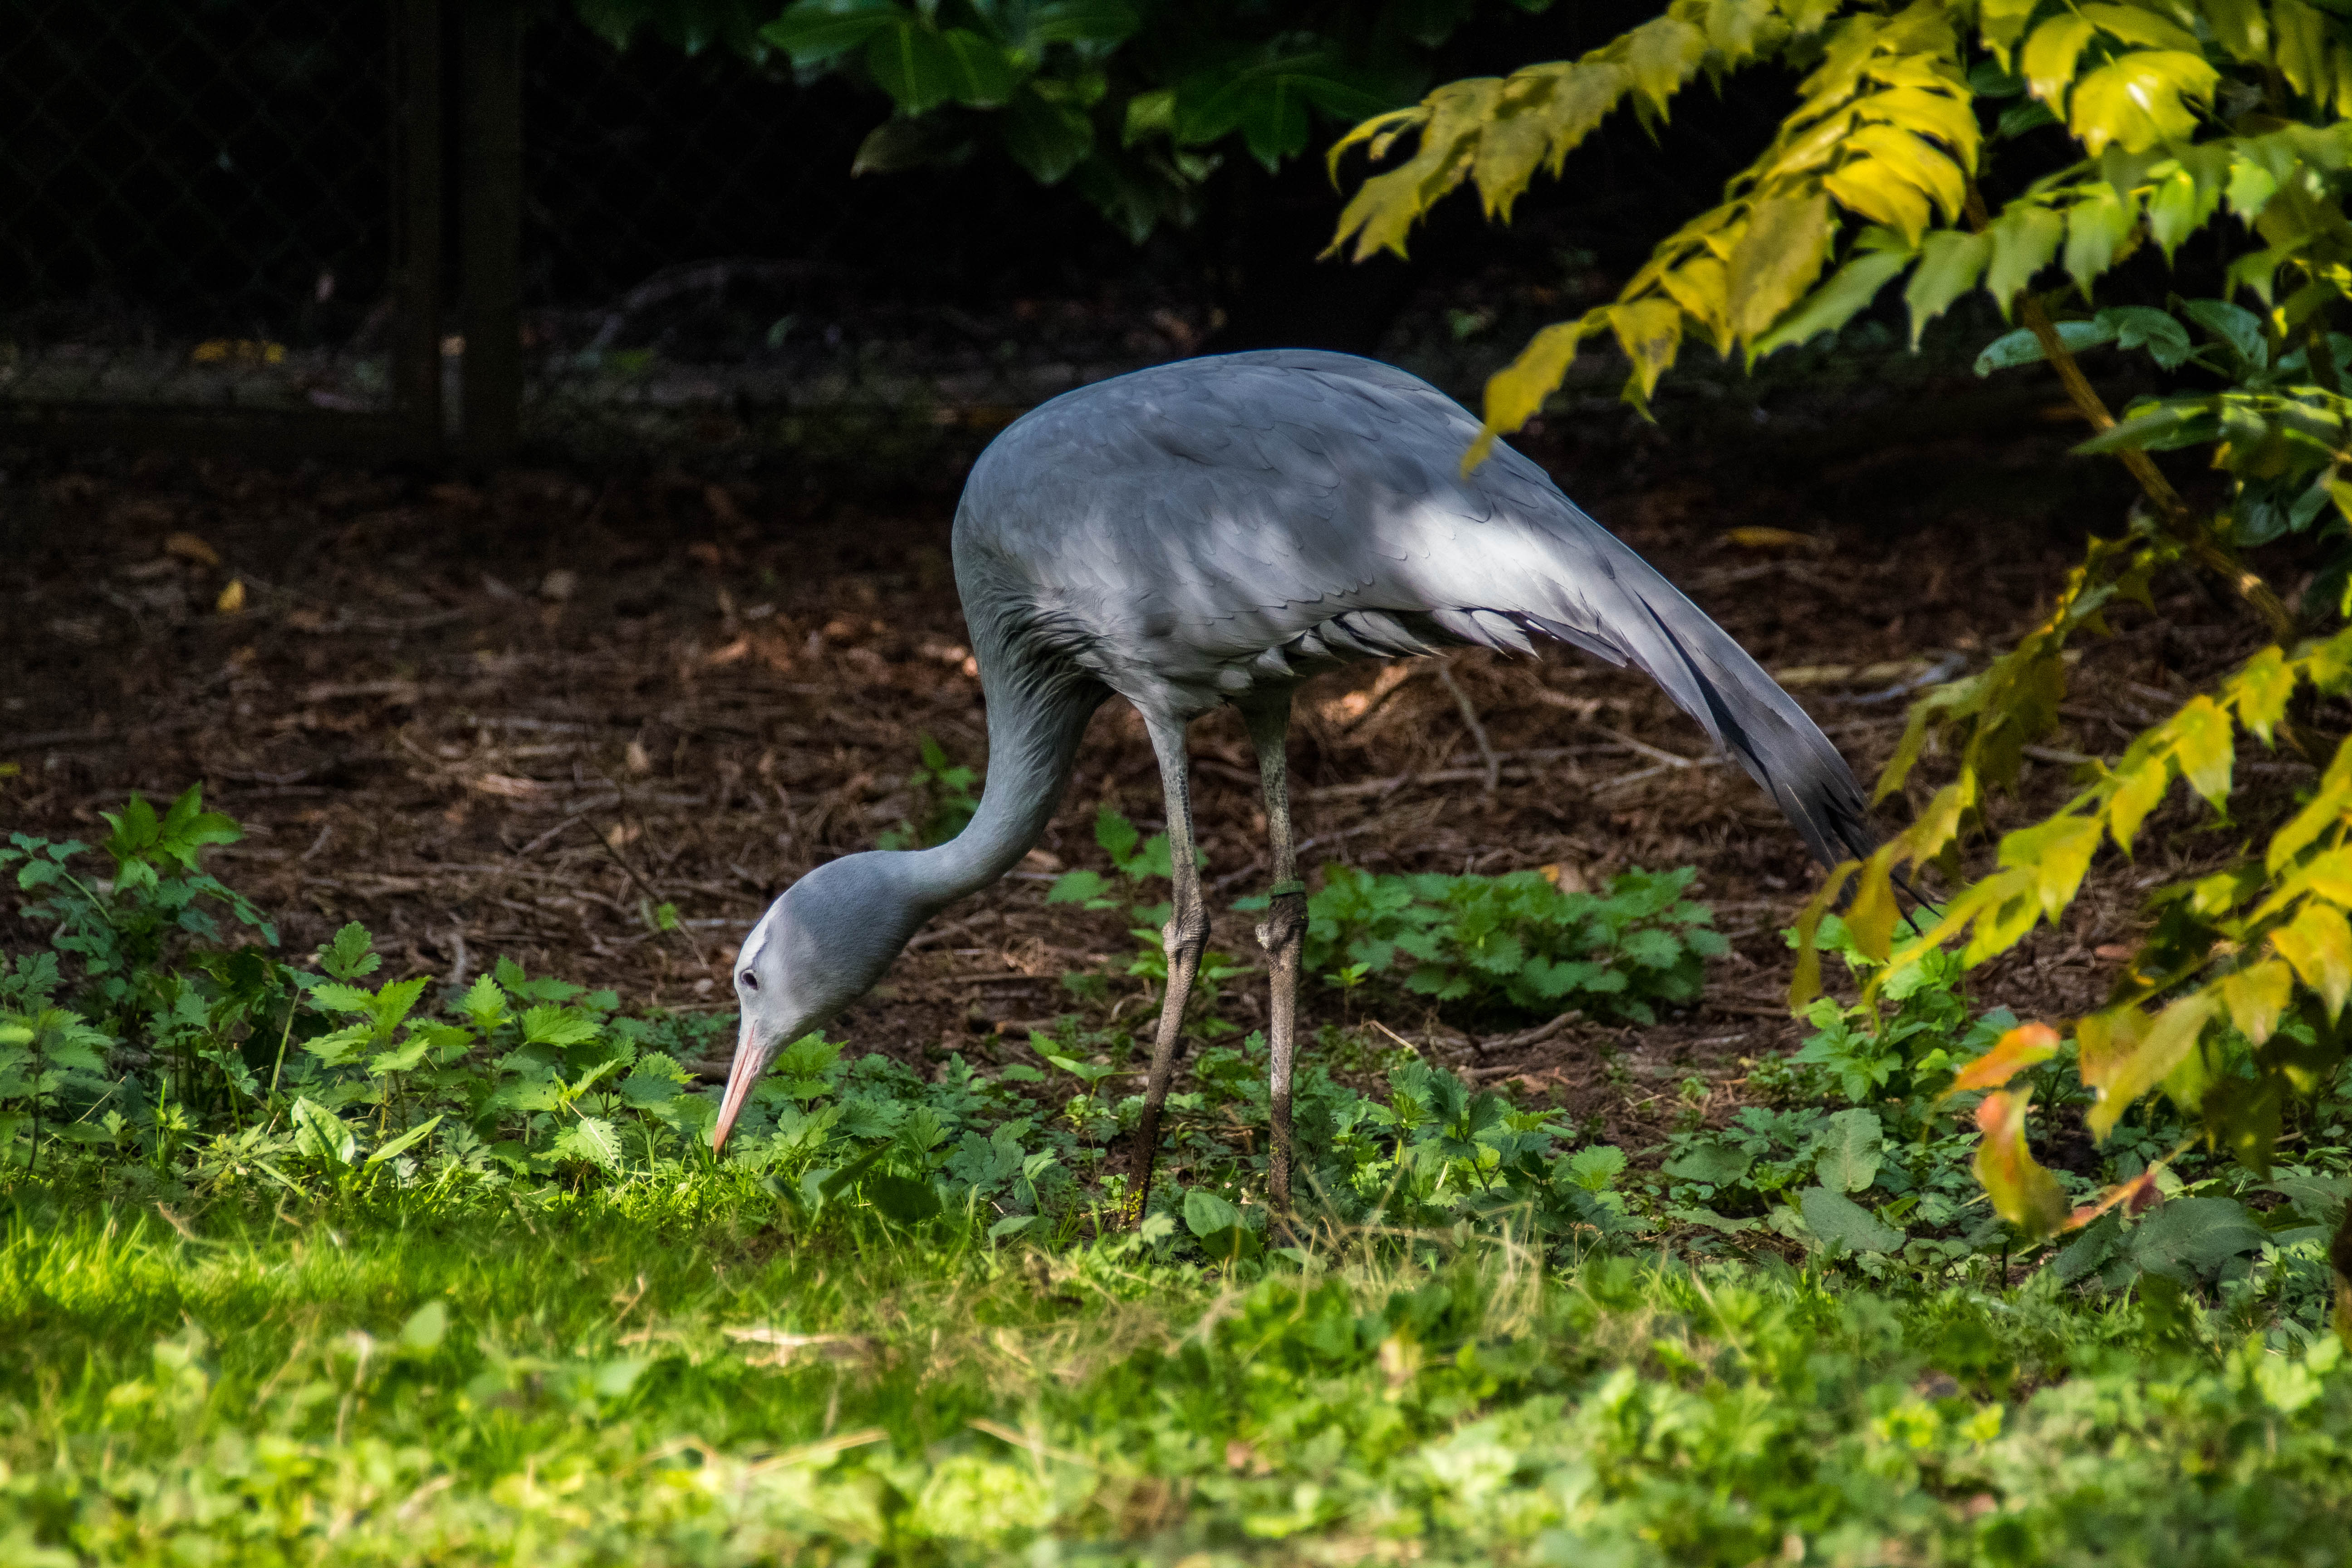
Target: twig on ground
x,y
693,948
1477,730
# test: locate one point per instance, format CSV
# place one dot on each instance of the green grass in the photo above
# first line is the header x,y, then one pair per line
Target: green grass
x,y
545,1379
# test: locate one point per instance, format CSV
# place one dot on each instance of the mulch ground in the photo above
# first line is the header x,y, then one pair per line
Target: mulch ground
x,y
510,712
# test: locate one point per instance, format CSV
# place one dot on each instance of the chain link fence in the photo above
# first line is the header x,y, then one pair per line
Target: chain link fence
x,y
201,211
282,222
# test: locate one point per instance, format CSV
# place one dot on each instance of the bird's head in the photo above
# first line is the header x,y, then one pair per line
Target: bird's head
x,y
820,947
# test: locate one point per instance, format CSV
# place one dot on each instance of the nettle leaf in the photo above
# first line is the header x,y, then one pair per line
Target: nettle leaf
x,y
1836,1219
483,1003
2022,1191
1078,887
1714,1163
1851,1151
592,1139
1117,835
321,1133
2190,1238
348,956
336,998
1595,1168
557,1026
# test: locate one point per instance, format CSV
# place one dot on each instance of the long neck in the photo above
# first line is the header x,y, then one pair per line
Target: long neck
x,y
1038,711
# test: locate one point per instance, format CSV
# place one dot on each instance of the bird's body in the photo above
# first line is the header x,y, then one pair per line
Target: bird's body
x,y
1213,529
1216,530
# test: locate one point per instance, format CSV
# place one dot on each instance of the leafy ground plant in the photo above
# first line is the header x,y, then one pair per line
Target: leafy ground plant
x,y
393,1274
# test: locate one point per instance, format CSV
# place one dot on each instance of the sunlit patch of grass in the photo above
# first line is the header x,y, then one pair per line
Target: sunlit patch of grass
x,y
503,1380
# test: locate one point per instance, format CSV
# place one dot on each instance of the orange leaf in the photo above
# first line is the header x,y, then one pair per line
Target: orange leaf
x,y
2022,1047
2136,1196
2023,1192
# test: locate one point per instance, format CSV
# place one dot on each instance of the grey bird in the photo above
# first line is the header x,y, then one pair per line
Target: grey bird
x,y
1216,530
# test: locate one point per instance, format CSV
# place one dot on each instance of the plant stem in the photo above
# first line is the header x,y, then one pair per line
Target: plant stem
x,y
2187,529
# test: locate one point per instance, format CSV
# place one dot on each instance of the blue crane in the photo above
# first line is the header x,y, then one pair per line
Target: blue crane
x,y
1216,531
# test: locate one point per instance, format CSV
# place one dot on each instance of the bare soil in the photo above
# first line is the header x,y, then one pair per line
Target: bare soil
x,y
509,712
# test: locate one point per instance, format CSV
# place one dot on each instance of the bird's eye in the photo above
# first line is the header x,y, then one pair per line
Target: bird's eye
x,y
748,981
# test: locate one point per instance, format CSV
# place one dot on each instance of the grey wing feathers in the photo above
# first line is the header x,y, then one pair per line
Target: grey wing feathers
x,y
1185,530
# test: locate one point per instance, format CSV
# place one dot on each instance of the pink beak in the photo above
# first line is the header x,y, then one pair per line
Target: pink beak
x,y
744,1071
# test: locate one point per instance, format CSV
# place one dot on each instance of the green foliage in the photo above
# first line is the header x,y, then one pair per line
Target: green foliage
x,y
945,790
1515,941
1137,104
121,928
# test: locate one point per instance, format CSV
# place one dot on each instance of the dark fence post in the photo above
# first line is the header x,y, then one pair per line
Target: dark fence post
x,y
489,162
417,215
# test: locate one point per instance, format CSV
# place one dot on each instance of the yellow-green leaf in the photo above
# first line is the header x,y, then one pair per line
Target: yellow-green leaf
x,y
2242,27
2025,239
2328,807
1918,161
2319,945
2260,691
1881,194
1834,304
2255,997
2104,1041
2139,783
2003,23
2179,206
2058,852
1701,286
1870,919
2302,55
1949,117
2013,905
2022,1191
2096,227
1651,333
1516,390
2150,1060
2049,56
1806,983
2140,100
1950,262
1776,261
1662,54
2134,26
2204,745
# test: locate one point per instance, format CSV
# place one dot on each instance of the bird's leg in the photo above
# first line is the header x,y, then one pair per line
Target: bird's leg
x,y
1282,934
1185,936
